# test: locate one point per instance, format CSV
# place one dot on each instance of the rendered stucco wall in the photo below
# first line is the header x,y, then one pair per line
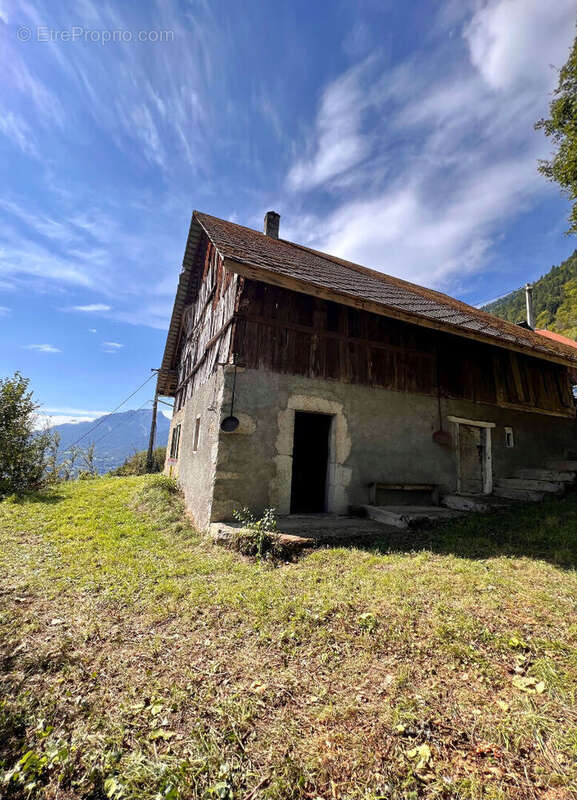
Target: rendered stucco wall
x,y
377,435
196,470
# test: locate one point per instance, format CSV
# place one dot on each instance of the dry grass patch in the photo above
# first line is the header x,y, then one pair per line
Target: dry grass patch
x,y
140,661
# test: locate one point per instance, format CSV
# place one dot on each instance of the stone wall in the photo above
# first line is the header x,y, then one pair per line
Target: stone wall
x,y
377,435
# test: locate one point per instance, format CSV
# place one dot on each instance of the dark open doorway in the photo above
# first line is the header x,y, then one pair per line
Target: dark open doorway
x,y
310,461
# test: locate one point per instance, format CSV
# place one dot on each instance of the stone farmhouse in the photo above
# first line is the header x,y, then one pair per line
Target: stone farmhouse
x,y
310,384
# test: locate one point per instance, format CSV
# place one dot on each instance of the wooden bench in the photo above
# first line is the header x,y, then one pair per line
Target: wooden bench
x,y
432,488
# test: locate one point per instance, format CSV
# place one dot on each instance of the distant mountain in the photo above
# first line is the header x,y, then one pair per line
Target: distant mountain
x,y
117,436
554,299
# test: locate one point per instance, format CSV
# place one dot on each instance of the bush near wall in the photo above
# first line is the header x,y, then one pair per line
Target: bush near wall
x,y
136,464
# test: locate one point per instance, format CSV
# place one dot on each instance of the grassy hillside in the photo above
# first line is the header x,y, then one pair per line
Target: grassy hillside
x,y
554,297
140,661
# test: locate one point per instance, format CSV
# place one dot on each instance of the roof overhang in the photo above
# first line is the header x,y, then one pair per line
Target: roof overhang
x,y
167,376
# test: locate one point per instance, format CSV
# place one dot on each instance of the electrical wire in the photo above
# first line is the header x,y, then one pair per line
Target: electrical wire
x,y
101,420
122,422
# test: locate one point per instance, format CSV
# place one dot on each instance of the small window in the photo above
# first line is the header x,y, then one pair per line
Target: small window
x,y
174,442
196,434
509,438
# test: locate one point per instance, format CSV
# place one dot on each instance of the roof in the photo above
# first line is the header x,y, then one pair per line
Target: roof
x,y
557,337
314,272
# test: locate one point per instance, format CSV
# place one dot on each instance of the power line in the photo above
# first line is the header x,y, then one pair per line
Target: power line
x,y
122,422
101,420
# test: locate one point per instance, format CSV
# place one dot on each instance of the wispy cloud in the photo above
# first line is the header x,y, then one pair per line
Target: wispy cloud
x,y
456,156
42,348
338,144
112,347
47,417
91,308
4,311
507,37
78,412
18,131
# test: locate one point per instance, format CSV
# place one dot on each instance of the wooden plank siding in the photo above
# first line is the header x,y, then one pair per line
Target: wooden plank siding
x,y
289,332
206,330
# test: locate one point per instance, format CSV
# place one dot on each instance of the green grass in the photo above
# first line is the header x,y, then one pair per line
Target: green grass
x,y
138,660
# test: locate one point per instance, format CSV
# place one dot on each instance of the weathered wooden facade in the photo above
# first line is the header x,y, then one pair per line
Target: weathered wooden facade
x,y
291,332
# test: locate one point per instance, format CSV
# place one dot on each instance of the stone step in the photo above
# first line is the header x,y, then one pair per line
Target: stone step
x,y
476,503
518,494
545,475
551,487
562,466
307,530
406,517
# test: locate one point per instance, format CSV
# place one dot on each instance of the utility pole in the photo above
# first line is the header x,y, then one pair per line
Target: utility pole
x,y
150,454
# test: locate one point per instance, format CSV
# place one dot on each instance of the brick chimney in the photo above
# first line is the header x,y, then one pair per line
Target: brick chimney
x,y
529,305
271,224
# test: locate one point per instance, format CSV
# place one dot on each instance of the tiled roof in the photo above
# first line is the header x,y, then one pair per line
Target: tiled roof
x,y
557,337
325,271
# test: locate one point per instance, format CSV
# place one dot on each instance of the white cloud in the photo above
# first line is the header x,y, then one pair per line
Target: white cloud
x,y
112,347
77,412
21,256
456,156
339,144
59,415
42,348
510,39
92,330
48,420
4,311
92,308
18,131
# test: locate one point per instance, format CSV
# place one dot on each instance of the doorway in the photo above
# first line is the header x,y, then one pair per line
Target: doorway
x,y
310,462
474,462
471,459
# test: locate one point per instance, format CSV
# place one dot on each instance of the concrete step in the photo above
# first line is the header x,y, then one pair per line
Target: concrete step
x,y
406,517
545,475
476,503
307,530
518,494
562,466
551,487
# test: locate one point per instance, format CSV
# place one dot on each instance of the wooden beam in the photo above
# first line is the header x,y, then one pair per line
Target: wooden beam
x,y
322,333
206,348
265,275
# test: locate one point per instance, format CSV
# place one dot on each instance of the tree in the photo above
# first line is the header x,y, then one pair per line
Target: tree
x,y
87,456
136,463
561,127
23,449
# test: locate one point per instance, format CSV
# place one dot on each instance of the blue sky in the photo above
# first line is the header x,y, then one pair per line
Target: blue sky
x,y
399,135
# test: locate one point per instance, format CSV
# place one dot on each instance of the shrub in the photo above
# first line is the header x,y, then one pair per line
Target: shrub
x,y
258,535
23,449
136,463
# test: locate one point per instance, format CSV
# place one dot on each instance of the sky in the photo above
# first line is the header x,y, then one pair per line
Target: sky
x,y
398,135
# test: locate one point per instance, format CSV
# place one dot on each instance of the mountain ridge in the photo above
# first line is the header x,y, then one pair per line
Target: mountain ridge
x,y
554,300
115,436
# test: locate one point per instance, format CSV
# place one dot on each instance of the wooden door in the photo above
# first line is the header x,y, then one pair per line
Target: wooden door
x,y
471,459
